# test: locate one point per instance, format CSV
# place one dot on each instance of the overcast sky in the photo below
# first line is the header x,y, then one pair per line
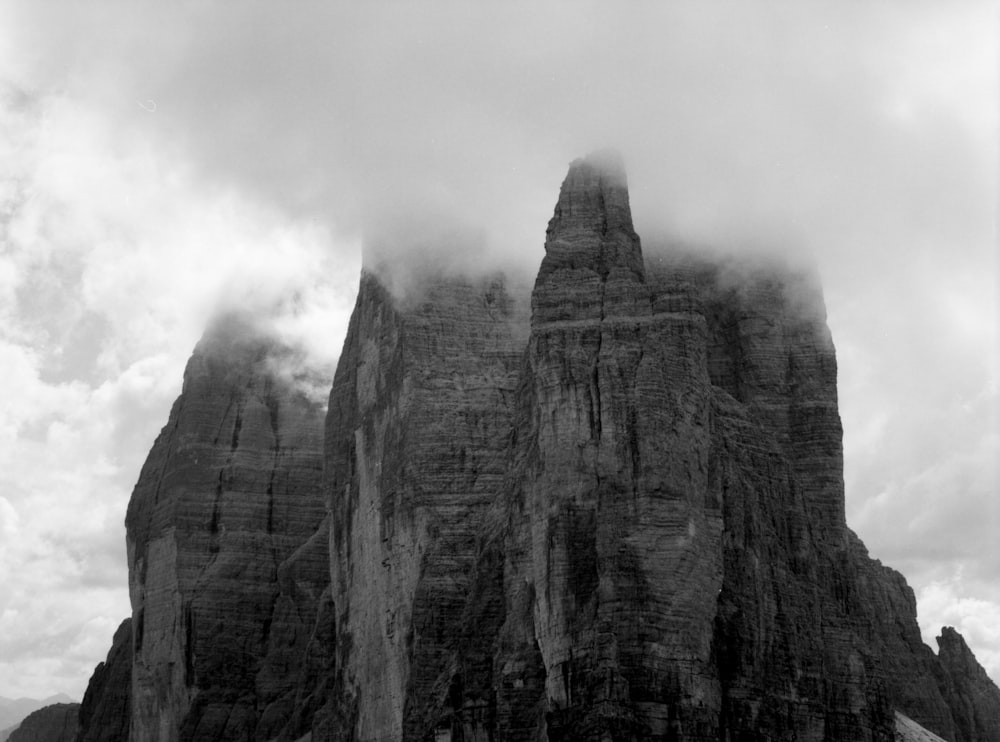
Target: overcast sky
x,y
157,164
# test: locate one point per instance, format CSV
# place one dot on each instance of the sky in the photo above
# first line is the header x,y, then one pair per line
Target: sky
x,y
158,164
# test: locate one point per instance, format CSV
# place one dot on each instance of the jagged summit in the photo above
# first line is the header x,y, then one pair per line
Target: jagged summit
x,y
593,267
591,228
968,687
226,499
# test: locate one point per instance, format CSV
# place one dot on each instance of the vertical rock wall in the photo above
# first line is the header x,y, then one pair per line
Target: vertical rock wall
x,y
106,710
974,698
659,551
229,492
624,519
619,516
416,439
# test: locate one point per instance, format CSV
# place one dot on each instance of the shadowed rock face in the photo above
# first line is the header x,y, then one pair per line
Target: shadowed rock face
x,y
614,494
106,710
225,502
416,440
973,697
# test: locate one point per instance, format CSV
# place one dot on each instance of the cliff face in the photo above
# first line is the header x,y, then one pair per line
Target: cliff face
x,y
610,508
661,549
223,601
420,415
614,503
680,428
106,710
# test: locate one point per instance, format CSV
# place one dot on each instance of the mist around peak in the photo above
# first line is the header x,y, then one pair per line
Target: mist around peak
x,y
257,341
607,161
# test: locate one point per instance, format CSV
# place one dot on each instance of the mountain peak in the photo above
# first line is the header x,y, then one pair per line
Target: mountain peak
x,y
591,227
622,520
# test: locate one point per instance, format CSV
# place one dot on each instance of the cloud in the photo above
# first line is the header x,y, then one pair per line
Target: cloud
x,y
757,117
165,162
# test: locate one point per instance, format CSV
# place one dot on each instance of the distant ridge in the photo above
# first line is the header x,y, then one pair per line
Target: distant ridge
x,y
14,710
57,722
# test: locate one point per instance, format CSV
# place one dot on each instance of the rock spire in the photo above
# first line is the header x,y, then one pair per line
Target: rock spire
x,y
610,510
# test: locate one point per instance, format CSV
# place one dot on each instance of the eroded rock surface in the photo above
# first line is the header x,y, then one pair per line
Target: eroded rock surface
x,y
660,551
225,502
608,508
419,422
106,710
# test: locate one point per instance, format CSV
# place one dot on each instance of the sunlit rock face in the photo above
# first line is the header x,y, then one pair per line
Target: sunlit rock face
x,y
227,498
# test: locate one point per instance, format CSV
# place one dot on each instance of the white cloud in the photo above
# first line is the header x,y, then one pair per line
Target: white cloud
x,y
9,520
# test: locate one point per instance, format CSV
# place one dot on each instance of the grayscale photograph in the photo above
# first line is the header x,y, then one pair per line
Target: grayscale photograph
x,y
499,371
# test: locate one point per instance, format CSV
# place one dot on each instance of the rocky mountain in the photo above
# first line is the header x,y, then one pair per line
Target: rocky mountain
x,y
417,438
607,508
14,710
54,723
220,534
968,689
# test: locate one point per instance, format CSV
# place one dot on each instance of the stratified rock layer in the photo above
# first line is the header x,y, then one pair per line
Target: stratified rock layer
x,y
55,723
222,608
106,710
612,510
420,416
637,532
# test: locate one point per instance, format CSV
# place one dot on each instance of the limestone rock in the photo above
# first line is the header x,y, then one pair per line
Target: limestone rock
x,y
302,652
420,414
635,532
106,710
610,510
55,723
230,492
973,697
